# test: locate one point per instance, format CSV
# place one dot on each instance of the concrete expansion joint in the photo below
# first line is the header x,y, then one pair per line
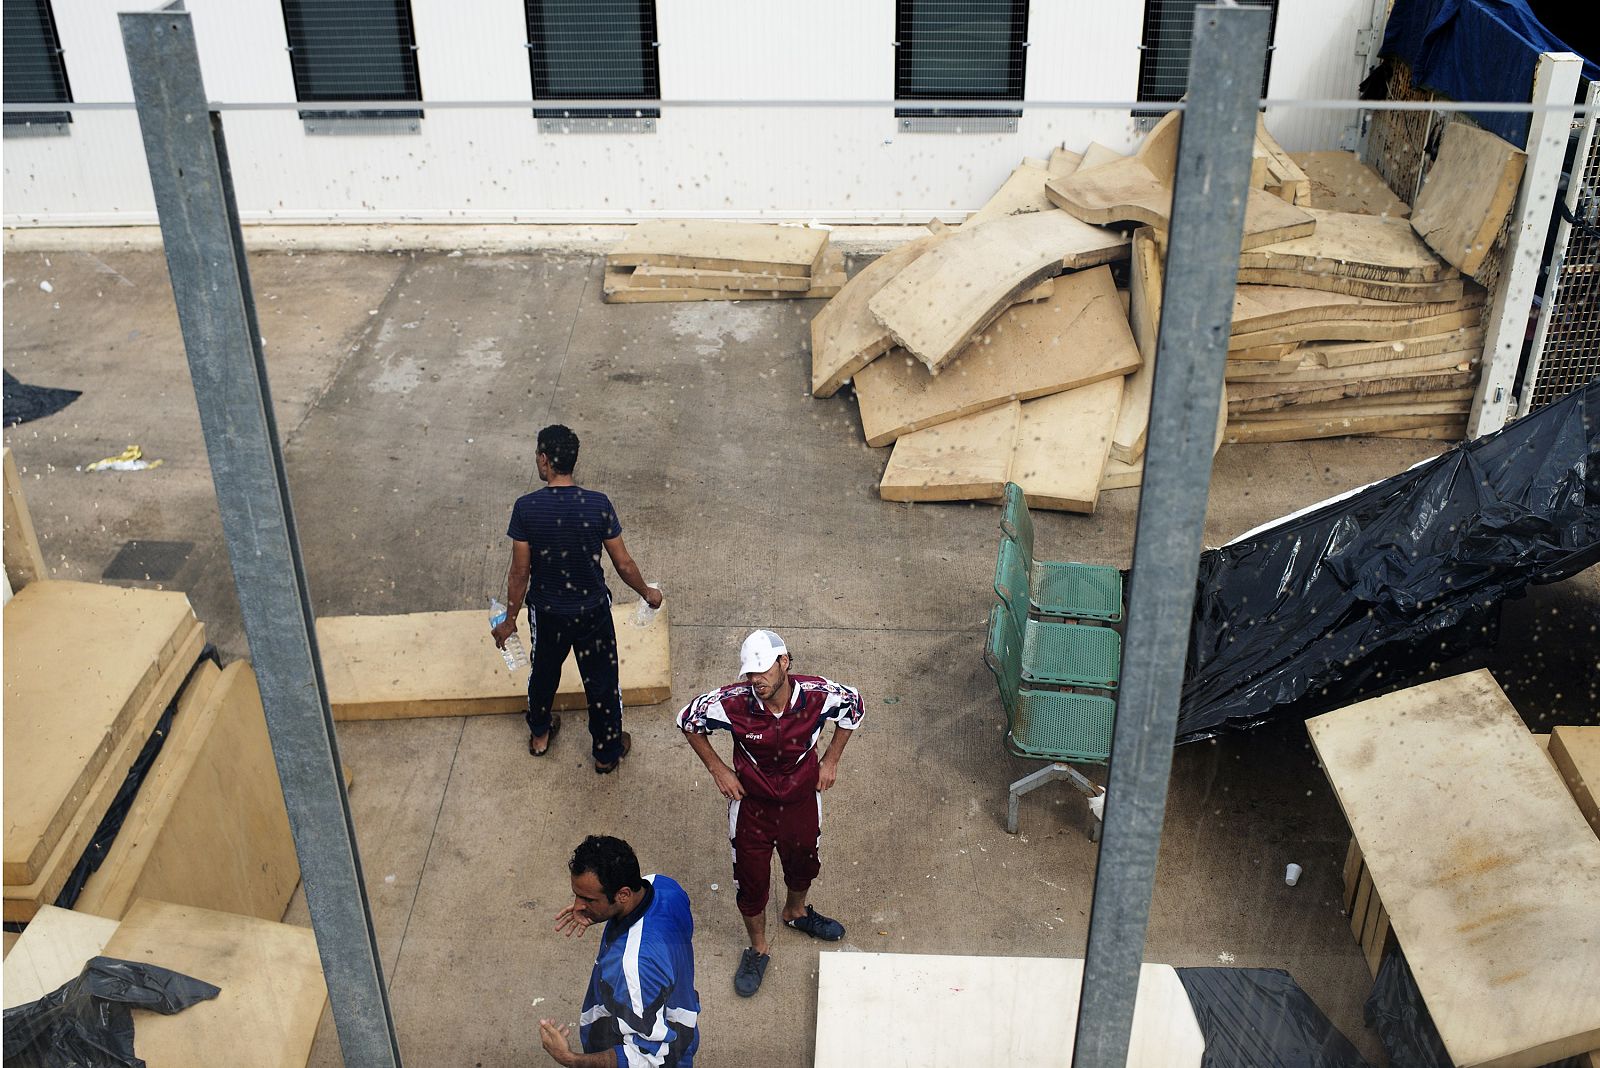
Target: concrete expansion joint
x,y
361,346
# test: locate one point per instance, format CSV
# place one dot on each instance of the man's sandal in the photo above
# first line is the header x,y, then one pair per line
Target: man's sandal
x,y
607,769
817,925
549,738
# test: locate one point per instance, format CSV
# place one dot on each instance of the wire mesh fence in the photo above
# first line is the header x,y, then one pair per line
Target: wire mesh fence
x,y
1567,349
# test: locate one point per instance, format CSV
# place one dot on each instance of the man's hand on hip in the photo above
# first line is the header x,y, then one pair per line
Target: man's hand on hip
x,y
827,773
728,783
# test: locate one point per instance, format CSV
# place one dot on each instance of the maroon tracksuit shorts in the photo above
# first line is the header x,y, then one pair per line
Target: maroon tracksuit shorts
x,y
755,827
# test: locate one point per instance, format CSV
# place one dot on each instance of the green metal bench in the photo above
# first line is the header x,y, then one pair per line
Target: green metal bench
x,y
1057,654
1060,588
1045,724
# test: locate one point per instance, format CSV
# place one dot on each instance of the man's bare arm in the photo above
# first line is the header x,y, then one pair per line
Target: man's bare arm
x,y
828,772
727,781
628,571
516,590
553,1037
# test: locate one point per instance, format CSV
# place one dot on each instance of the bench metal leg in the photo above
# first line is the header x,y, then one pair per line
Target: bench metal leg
x,y
1050,773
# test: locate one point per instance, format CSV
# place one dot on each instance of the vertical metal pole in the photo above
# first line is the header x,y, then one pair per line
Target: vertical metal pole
x,y
205,257
1213,174
1555,81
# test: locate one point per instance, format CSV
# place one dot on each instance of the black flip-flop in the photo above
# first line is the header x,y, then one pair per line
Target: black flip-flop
x,y
549,738
607,769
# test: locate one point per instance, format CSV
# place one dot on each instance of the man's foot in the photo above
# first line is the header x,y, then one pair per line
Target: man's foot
x,y
538,746
817,925
752,966
607,769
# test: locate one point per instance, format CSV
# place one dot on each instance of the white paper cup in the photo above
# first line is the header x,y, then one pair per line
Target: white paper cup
x,y
1291,874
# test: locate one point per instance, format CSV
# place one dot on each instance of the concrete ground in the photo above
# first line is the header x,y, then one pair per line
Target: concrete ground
x,y
408,388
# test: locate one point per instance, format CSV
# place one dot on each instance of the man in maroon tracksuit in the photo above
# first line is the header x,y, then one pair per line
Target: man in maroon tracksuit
x,y
774,788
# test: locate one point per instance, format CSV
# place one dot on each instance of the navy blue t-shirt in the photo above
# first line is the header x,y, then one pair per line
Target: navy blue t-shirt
x,y
564,526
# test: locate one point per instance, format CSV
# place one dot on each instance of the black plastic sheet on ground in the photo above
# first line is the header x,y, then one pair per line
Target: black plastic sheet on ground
x,y
1260,1018
24,403
1396,1011
88,1022
1308,613
110,825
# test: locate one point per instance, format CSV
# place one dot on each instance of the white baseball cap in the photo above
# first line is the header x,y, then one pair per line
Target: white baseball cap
x,y
760,651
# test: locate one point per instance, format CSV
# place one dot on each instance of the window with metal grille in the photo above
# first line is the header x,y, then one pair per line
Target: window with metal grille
x,y
353,50
1164,54
959,50
593,50
34,71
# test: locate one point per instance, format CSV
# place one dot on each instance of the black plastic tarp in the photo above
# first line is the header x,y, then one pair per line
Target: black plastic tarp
x,y
25,403
88,1022
105,833
1307,612
1396,1011
1260,1018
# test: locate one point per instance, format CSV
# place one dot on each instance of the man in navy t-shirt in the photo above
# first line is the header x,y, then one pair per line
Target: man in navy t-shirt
x,y
556,536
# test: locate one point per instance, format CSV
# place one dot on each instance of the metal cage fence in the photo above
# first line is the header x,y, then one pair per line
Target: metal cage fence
x,y
1566,344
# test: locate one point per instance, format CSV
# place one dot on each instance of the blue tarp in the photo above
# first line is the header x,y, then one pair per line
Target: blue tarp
x,y
1475,50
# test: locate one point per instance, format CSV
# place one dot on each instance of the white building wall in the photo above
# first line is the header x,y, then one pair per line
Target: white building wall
x,y
833,163
1315,58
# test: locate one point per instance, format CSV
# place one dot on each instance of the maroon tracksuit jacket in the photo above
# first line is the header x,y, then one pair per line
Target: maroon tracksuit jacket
x,y
775,758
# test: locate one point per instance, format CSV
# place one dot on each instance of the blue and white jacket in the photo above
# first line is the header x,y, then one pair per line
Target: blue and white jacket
x,y
641,1001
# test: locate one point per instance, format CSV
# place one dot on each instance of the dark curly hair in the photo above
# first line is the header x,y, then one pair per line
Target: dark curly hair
x,y
609,860
560,446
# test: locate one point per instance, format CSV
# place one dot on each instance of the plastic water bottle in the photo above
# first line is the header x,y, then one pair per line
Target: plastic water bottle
x,y
515,658
645,615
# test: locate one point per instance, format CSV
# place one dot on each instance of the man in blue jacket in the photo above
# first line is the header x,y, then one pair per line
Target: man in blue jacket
x,y
641,1008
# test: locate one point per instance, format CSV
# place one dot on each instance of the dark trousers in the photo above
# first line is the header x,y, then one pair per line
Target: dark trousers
x,y
593,638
